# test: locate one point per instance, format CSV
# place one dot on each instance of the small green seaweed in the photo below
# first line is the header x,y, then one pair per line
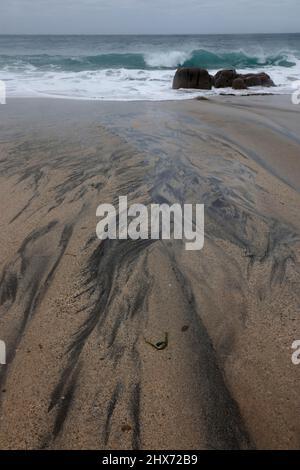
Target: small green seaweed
x,y
160,345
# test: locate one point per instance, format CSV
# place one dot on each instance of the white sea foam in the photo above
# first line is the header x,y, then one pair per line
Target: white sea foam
x,y
167,59
124,84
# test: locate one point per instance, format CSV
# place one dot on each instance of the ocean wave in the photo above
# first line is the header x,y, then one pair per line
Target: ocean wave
x,y
167,59
212,60
76,63
239,59
152,60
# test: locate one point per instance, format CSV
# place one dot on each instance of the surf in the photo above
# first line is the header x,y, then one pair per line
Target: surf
x,y
122,68
161,59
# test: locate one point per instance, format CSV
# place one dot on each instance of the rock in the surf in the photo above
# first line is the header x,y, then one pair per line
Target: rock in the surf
x,y
224,78
257,79
239,84
197,78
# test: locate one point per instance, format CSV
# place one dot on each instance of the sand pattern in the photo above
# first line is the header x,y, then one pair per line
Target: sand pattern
x,y
78,314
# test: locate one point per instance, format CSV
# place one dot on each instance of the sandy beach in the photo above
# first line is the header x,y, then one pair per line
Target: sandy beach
x,y
78,314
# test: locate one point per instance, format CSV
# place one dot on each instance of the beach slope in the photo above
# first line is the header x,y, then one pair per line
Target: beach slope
x,y
78,314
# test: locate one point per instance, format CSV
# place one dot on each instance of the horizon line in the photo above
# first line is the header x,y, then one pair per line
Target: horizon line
x,y
147,34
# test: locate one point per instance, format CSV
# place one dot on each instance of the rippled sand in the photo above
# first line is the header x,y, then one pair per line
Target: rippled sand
x,y
78,314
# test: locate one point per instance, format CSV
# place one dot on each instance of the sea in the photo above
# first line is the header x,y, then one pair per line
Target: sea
x,y
131,68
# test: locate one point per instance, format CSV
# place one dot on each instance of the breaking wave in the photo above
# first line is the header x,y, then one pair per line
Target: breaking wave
x,y
156,60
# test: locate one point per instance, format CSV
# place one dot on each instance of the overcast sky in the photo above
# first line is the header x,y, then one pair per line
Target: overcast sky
x,y
148,16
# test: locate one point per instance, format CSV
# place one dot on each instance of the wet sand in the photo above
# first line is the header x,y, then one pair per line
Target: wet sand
x,y
78,314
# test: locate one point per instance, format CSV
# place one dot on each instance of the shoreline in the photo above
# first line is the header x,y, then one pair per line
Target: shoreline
x,y
97,100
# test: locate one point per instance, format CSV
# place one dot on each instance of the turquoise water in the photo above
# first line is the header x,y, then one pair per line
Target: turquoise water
x,y
137,67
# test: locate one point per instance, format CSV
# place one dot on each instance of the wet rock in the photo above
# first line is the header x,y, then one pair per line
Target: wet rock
x,y
252,80
225,78
195,78
239,84
257,79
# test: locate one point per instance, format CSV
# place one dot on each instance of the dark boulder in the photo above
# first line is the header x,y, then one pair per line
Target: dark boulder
x,y
224,78
251,79
257,79
239,84
266,79
196,78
